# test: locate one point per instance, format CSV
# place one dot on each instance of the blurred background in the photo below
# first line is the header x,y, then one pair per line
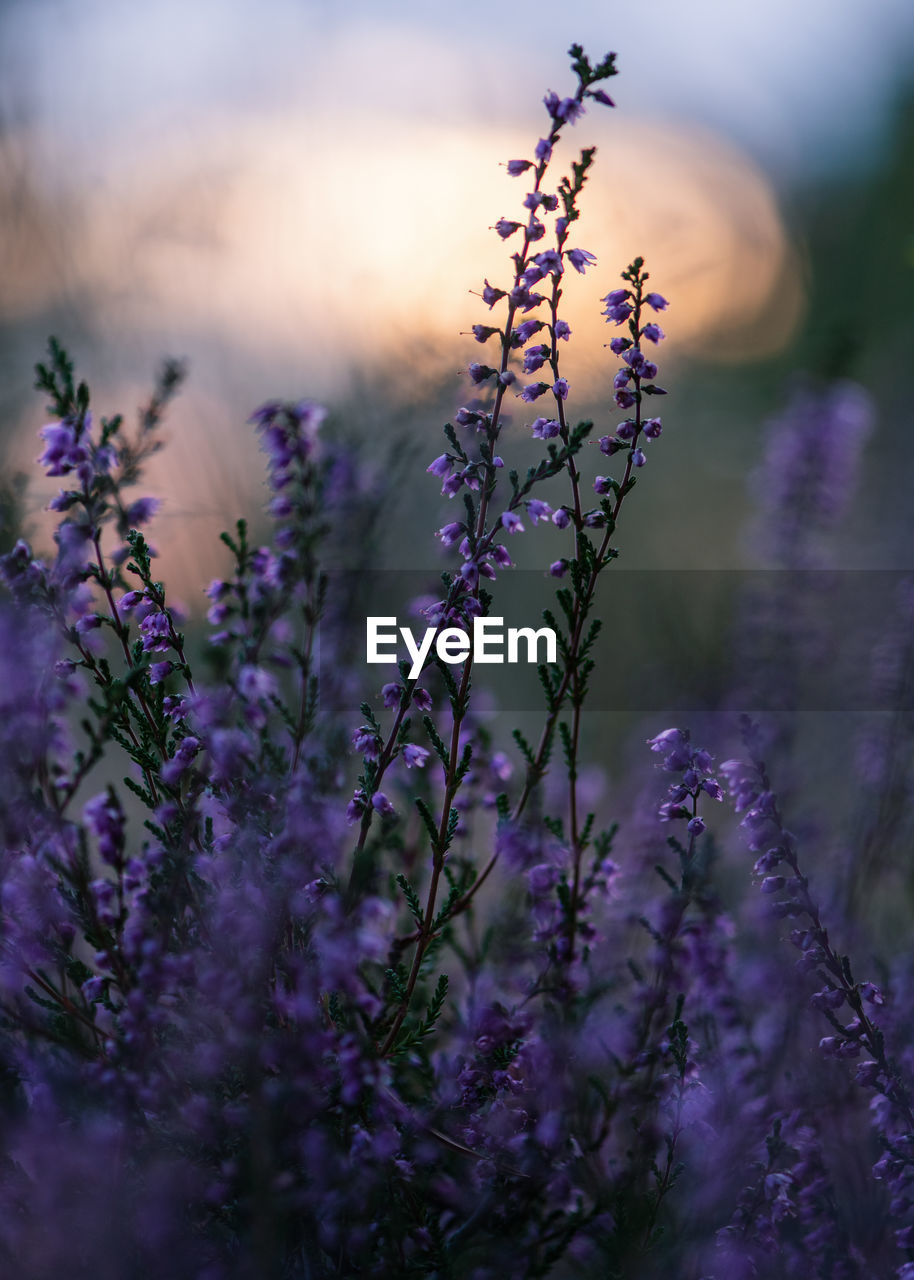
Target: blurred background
x,y
297,197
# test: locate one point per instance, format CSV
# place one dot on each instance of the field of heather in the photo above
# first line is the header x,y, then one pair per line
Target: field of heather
x,y
456,642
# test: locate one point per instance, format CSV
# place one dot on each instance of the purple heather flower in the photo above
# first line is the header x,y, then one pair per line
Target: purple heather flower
x,y
282,506
517,167
519,846
618,314
562,330
453,485
255,683
501,766
772,884
543,151
652,428
533,391
500,556
618,345
511,522
624,399
564,110
669,739
480,373
829,998
469,572
64,450
807,478
609,445
483,332
451,533
65,499
491,295
542,879
525,330
159,671
506,228
105,817
263,416
550,261
142,511
380,802
657,301
558,568
560,389
156,632
308,416
442,466
538,510
176,707
217,614
356,806
581,259
422,699
180,762
414,757
545,428
603,485
391,694
507,377
561,518
366,742
535,357
652,332
72,541
868,1074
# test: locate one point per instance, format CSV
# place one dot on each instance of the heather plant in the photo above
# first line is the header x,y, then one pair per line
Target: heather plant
x,y
287,990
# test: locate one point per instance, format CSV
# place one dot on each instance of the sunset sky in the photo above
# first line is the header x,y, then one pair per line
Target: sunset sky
x,y
286,191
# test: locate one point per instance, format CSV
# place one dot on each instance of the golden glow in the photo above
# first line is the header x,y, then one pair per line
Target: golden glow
x,y
322,245
308,248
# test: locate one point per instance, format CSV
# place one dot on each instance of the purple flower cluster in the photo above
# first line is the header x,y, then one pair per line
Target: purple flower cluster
x,y
636,378
288,989
694,767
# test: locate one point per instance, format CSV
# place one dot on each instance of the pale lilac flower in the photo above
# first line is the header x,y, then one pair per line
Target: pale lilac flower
x,y
581,259
538,510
